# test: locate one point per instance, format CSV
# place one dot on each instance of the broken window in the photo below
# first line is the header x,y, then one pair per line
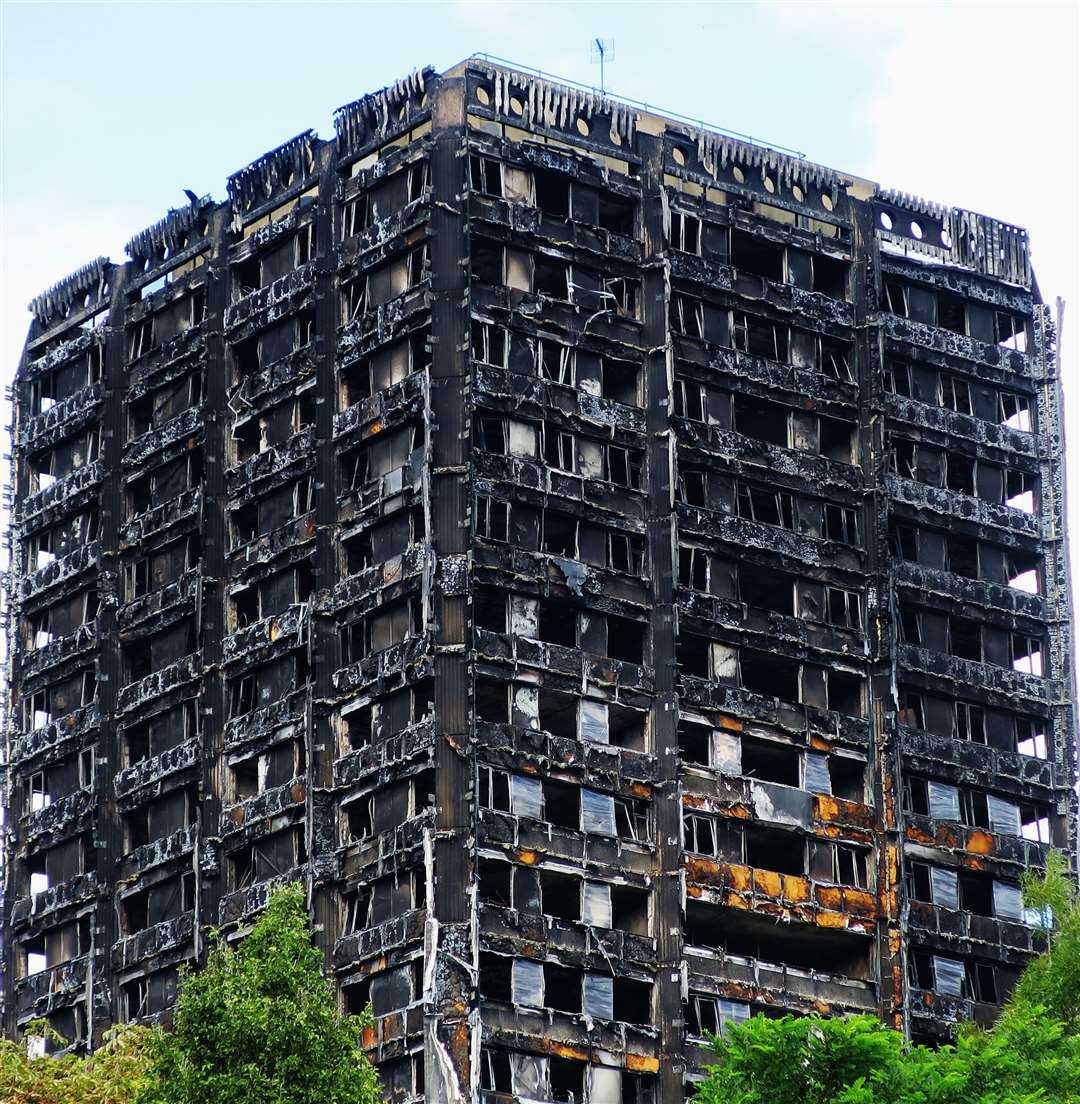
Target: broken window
x,y
767,506
1034,820
1015,411
485,175
141,338
492,518
551,277
689,400
559,450
767,589
620,381
555,361
699,834
759,337
843,608
687,316
708,1015
770,761
685,232
757,256
552,192
1021,490
1030,738
955,394
1026,654
841,524
490,343
1010,331
833,358
623,466
898,378
762,419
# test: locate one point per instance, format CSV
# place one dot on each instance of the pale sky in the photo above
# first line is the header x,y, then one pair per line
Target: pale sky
x,y
109,110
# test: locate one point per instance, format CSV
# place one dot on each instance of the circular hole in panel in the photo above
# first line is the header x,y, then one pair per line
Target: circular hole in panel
x,y
826,201
798,193
886,220
946,238
678,156
516,106
483,96
740,176
615,136
916,230
86,300
582,125
770,186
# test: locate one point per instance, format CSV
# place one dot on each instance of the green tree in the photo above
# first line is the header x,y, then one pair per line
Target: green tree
x,y
1030,1056
1053,979
114,1074
260,1025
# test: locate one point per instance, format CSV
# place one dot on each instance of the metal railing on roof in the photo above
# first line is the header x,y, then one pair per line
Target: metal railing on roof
x,y
631,102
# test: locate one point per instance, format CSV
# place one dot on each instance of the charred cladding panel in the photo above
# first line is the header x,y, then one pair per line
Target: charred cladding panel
x,y
618,568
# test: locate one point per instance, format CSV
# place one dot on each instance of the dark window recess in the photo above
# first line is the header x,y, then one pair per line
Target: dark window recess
x,y
552,192
773,849
618,214
626,639
767,589
768,761
757,256
761,418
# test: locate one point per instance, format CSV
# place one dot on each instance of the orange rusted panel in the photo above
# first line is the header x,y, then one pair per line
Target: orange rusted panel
x,y
298,792
829,897
640,789
642,1063
693,891
819,742
529,858
564,1051
861,902
831,920
982,843
732,724
796,888
825,807
733,900
741,876
702,870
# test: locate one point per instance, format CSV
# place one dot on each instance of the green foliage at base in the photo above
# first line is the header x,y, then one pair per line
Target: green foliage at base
x,y
260,1025
1027,1059
1030,1056
114,1074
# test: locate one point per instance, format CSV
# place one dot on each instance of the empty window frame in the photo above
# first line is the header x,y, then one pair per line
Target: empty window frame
x,y
685,232
690,400
490,343
492,518
555,361
687,316
770,507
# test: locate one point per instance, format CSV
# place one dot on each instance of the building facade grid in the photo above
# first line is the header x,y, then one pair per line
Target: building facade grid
x,y
619,569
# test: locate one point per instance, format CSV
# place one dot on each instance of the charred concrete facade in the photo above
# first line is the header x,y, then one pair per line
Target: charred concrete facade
x,y
617,568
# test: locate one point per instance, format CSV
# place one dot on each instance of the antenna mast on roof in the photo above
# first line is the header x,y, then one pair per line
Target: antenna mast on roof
x,y
600,49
